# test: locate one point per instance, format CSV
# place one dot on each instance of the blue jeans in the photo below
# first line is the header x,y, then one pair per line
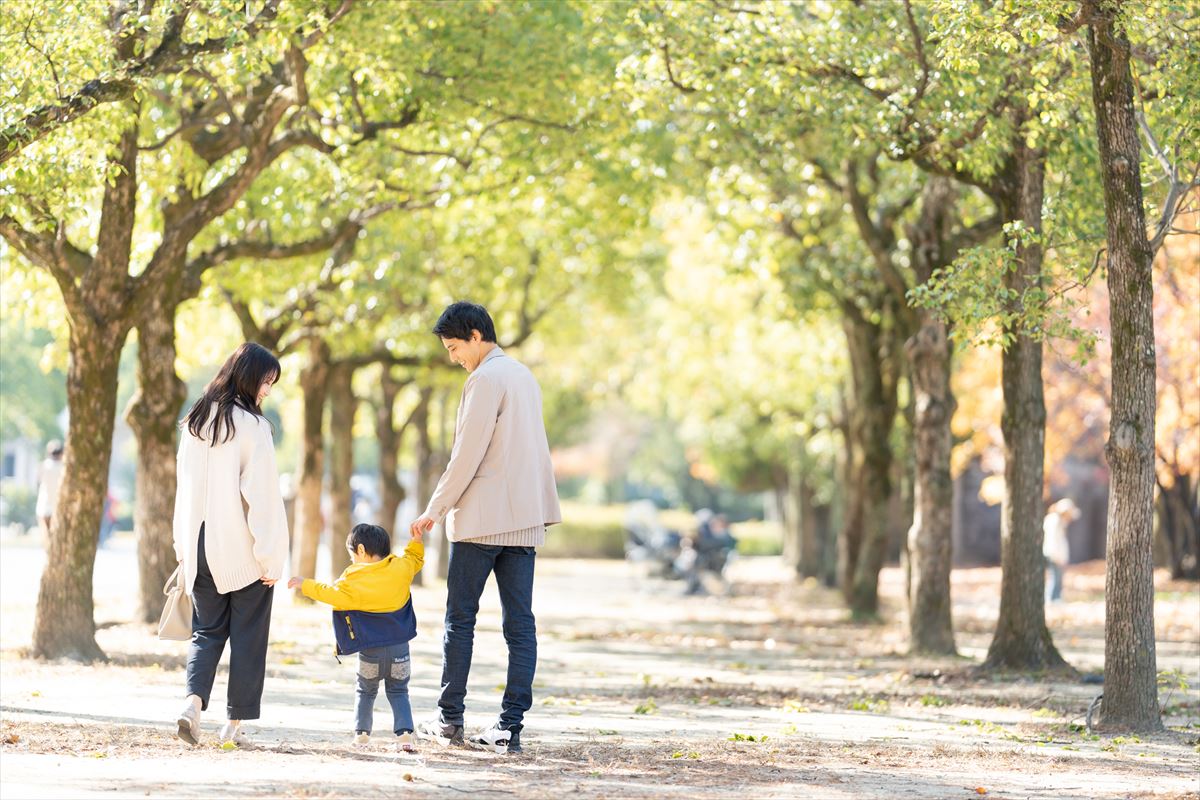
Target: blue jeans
x,y
470,565
1054,587
390,664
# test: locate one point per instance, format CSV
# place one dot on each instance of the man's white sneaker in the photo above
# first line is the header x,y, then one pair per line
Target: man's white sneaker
x,y
406,742
498,740
362,737
440,732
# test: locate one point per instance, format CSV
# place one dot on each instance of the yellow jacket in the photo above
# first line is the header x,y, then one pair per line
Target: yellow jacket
x,y
378,587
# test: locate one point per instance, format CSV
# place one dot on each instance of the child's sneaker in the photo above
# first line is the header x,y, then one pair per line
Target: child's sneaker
x,y
406,742
362,737
441,732
498,740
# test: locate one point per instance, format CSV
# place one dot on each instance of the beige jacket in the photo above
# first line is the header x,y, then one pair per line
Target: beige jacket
x,y
499,478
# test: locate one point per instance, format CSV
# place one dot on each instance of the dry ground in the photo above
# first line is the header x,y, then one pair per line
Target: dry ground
x,y
764,692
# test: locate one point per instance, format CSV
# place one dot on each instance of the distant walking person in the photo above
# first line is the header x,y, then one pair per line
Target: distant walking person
x,y
1055,546
497,496
50,475
231,536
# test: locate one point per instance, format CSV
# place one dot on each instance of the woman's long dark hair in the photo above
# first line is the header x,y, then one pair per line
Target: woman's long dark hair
x,y
236,384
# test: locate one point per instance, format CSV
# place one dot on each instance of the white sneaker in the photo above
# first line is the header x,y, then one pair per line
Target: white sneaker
x,y
497,740
233,733
406,742
189,725
361,737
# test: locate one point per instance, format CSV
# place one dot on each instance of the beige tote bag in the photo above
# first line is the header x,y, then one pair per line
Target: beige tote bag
x,y
175,624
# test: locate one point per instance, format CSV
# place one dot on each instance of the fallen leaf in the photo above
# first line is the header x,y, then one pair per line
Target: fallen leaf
x,y
229,746
980,790
408,777
12,738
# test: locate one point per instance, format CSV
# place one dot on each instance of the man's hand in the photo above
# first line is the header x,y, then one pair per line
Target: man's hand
x,y
294,583
268,581
421,526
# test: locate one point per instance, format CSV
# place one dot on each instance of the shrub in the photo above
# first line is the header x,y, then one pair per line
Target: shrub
x,y
19,504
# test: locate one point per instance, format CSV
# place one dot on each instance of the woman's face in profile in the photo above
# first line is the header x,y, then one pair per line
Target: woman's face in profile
x,y
264,391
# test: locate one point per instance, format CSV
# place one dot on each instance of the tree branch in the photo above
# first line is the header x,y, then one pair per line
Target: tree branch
x,y
171,52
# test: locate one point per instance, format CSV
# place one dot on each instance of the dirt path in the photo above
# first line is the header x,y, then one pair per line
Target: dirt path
x,y
640,693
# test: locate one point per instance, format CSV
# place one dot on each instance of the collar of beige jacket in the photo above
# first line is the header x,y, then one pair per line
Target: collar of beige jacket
x,y
497,351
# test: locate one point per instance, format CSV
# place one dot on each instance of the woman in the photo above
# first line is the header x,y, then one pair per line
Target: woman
x,y
231,536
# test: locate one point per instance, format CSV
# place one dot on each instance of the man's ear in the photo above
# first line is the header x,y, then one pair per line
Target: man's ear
x,y
476,336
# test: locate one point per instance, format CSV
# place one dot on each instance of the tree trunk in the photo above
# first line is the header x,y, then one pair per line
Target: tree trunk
x,y
785,505
1022,641
1130,689
440,458
100,316
153,413
930,544
426,480
930,548
314,379
1179,527
342,407
871,415
424,449
824,526
64,625
806,547
391,493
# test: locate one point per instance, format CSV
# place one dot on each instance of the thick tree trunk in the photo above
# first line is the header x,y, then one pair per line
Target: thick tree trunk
x,y
100,316
64,626
930,544
342,407
1130,689
153,413
930,548
1022,641
314,379
872,412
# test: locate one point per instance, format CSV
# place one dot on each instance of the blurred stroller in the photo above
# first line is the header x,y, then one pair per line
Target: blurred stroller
x,y
650,544
708,552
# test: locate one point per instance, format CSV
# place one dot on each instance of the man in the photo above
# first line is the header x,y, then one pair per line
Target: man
x,y
497,495
50,475
1055,545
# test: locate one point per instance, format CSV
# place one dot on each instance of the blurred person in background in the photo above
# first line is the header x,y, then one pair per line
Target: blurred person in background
x,y
50,475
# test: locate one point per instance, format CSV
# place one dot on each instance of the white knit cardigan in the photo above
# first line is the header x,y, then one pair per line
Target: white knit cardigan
x,y
233,488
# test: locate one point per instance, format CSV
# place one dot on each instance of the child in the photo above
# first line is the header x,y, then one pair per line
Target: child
x,y
373,616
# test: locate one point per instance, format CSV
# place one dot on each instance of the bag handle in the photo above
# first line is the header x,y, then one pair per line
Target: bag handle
x,y
171,580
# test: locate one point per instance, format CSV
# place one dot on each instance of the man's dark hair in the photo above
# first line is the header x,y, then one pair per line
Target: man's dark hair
x,y
459,319
374,539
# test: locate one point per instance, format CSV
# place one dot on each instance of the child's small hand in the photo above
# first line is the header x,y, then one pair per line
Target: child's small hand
x,y
417,534
294,583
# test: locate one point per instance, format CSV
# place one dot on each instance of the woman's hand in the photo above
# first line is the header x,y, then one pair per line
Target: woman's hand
x,y
294,583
